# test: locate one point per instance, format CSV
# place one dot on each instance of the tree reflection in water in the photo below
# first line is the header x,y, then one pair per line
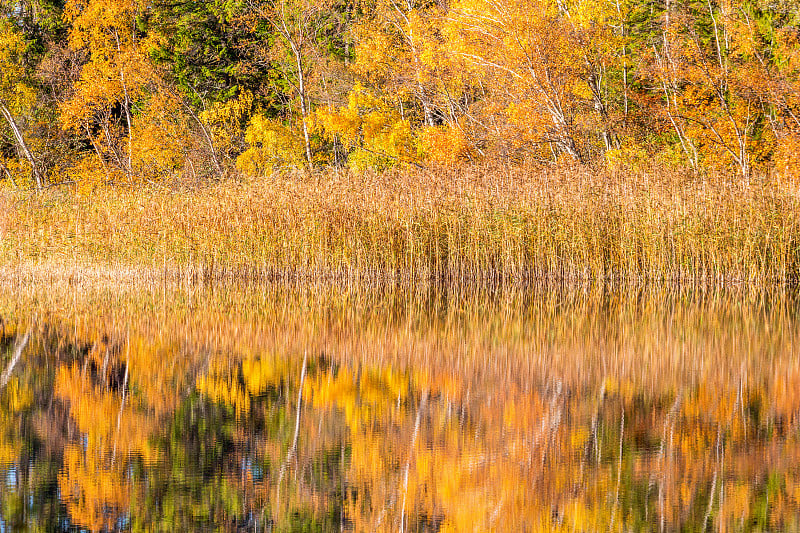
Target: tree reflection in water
x,y
544,408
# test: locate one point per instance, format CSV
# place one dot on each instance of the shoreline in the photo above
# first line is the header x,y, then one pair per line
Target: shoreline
x,y
197,275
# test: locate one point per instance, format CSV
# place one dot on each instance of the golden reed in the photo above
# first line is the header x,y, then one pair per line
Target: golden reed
x,y
465,225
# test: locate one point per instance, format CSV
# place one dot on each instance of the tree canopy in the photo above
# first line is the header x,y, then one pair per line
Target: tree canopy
x,y
145,91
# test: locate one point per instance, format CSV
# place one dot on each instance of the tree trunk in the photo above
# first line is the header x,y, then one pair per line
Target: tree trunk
x,y
127,109
301,89
209,139
23,146
128,120
18,347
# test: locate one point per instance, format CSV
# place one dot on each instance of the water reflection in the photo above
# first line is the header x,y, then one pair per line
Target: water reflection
x,y
400,409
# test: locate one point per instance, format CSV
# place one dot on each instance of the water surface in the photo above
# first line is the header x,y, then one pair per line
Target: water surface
x,y
327,408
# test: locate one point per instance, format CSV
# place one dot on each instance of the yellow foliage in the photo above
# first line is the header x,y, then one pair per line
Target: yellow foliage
x,y
262,373
785,397
118,73
16,396
159,139
398,48
271,144
787,162
17,168
224,389
224,120
376,133
93,479
363,400
95,21
443,144
118,70
9,452
527,119
629,156
90,171
12,47
376,51
94,493
537,61
16,95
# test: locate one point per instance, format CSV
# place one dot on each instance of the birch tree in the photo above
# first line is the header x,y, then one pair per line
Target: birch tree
x,y
291,35
114,78
15,95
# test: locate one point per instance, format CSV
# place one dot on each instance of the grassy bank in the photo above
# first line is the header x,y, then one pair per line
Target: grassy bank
x,y
481,223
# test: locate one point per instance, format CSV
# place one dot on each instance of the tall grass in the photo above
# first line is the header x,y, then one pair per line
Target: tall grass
x,y
480,223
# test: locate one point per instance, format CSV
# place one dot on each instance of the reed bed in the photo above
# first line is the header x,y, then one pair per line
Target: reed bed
x,y
467,225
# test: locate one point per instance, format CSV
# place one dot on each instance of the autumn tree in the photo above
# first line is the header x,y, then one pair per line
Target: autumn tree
x,y
373,130
297,40
205,50
16,96
712,63
413,99
767,39
120,104
544,66
396,45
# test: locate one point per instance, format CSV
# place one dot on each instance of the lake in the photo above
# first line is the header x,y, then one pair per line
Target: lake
x,y
412,408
